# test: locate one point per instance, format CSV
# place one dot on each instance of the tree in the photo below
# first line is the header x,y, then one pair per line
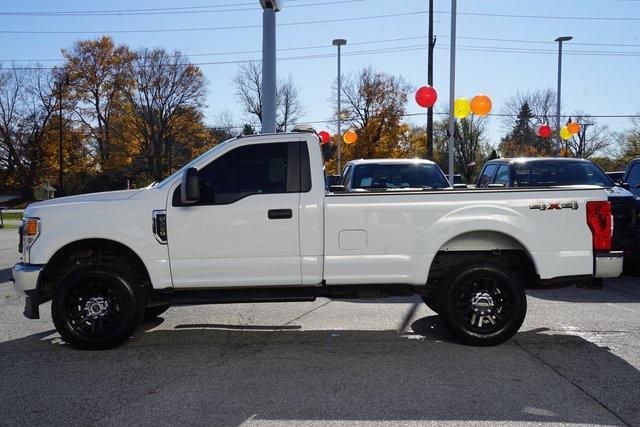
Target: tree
x,y
374,104
98,72
248,88
592,139
522,112
12,88
164,89
631,142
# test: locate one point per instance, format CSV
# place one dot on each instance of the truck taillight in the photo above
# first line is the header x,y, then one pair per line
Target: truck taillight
x,y
601,224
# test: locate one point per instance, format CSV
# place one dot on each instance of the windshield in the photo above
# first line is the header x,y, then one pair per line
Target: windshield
x,y
558,173
398,175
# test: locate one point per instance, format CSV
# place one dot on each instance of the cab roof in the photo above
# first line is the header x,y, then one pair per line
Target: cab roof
x,y
537,159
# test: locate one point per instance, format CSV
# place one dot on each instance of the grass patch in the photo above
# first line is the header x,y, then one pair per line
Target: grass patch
x,y
10,226
12,216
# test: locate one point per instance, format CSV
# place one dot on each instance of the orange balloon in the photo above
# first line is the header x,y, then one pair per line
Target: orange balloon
x,y
573,128
481,105
350,137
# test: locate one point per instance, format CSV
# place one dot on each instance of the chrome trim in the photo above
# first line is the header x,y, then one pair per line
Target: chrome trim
x,y
25,277
607,265
154,225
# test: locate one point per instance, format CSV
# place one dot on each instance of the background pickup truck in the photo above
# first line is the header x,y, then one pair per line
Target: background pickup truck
x,y
250,220
564,172
391,175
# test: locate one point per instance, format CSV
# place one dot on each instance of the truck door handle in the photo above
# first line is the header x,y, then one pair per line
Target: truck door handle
x,y
279,213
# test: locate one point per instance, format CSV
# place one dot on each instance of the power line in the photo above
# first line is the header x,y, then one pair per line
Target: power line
x,y
231,27
335,20
478,48
395,49
167,11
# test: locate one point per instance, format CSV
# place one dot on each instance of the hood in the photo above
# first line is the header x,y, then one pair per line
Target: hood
x,y
105,196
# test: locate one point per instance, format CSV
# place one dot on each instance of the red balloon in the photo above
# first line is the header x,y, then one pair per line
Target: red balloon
x,y
426,96
545,131
324,137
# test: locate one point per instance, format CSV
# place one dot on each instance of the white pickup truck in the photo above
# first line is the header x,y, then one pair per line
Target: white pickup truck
x,y
250,220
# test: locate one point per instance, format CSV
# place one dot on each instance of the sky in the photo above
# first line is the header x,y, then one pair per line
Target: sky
x,y
497,55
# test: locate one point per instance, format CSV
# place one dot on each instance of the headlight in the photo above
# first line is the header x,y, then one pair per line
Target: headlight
x,y
30,230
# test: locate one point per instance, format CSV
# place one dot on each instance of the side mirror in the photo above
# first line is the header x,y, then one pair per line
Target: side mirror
x,y
337,188
459,186
190,187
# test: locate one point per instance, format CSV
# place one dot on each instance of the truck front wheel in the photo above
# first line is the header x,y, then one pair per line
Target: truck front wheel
x,y
96,308
483,304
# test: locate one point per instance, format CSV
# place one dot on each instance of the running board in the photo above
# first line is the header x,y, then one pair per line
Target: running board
x,y
282,294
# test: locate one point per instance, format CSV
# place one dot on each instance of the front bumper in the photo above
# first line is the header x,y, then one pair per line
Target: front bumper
x,y
608,264
25,281
25,277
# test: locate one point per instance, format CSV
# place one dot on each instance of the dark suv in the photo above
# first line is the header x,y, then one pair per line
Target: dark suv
x,y
563,172
631,177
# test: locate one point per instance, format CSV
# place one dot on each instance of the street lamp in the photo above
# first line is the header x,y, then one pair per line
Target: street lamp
x,y
270,7
339,43
559,40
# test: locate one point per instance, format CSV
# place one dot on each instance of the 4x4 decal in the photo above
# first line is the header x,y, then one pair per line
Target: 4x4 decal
x,y
543,206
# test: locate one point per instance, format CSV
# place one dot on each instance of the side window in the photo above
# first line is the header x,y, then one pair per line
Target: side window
x,y
502,175
634,175
346,175
487,175
252,169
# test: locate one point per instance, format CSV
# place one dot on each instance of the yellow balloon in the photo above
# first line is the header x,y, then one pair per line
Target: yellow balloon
x,y
461,108
564,133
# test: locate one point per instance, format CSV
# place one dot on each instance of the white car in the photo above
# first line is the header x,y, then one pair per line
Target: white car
x,y
250,220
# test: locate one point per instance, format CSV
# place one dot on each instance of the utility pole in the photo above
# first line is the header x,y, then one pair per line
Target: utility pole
x,y
452,89
64,80
270,7
432,44
582,138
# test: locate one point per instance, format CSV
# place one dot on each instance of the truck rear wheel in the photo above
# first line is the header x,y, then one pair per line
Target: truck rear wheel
x,y
483,304
96,308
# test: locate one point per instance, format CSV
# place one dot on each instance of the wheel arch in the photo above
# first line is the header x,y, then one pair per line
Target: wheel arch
x,y
87,252
485,244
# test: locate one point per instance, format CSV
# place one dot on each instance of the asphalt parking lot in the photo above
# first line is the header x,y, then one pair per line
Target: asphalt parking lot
x,y
576,360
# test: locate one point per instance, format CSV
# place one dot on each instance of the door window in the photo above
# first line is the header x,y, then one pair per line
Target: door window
x,y
502,175
634,175
487,175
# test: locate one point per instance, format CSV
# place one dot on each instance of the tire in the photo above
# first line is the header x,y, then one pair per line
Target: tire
x,y
96,308
431,302
155,311
483,304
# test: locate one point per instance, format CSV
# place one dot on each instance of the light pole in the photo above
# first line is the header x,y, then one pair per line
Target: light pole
x,y
339,43
452,88
559,40
270,7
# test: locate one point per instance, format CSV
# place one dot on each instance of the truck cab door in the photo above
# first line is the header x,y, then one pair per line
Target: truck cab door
x,y
244,230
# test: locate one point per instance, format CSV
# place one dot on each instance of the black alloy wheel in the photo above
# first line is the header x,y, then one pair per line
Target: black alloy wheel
x,y
96,308
483,304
